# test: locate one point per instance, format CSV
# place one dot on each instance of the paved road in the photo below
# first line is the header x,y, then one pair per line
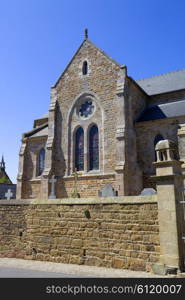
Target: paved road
x,y
6,272
13,267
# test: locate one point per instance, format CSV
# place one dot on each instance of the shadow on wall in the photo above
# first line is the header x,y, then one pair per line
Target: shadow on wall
x,y
28,174
59,165
28,169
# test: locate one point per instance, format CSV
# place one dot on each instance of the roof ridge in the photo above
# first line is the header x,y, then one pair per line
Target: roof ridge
x,y
163,74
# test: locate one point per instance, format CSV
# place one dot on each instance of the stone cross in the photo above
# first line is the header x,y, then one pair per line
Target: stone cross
x,y
86,34
52,181
9,194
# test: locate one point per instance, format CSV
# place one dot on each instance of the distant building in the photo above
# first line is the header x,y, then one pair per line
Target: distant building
x,y
5,182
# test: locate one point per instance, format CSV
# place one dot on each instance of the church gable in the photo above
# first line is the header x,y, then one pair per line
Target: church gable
x,y
89,70
86,51
86,95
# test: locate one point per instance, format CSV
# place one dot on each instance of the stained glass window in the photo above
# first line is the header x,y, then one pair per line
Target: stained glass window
x,y
94,148
86,109
79,149
41,161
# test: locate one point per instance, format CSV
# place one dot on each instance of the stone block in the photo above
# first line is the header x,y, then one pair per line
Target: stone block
x,y
77,243
118,263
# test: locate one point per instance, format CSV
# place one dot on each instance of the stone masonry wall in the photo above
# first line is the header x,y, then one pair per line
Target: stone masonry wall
x,y
121,233
31,189
87,186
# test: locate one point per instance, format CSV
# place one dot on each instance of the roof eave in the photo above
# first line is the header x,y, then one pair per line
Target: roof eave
x,y
167,92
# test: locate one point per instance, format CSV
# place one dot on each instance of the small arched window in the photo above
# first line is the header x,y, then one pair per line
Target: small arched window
x,y
85,68
41,161
93,148
157,139
79,149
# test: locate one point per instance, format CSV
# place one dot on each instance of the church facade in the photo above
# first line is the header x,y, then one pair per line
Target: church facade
x,y
103,126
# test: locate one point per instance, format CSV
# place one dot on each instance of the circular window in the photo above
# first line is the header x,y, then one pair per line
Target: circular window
x,y
86,109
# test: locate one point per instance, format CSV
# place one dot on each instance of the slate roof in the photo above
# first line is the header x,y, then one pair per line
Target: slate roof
x,y
4,188
163,83
162,111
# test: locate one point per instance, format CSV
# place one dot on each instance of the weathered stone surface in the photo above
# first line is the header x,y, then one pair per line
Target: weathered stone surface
x,y
77,243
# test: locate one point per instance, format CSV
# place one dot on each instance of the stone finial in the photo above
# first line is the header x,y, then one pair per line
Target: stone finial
x,y
86,34
166,150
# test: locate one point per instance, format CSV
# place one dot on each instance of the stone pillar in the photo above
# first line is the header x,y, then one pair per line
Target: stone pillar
x,y
120,132
170,214
49,147
20,176
181,143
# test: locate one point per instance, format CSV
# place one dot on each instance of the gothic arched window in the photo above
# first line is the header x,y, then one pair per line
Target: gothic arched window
x,y
41,161
93,148
156,140
84,68
79,149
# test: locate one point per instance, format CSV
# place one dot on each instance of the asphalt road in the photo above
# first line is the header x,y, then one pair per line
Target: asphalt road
x,y
6,272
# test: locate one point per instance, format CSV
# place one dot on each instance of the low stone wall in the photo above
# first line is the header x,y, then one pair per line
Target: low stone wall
x,y
119,232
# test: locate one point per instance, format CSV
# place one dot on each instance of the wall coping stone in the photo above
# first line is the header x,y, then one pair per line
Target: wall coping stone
x,y
89,175
81,201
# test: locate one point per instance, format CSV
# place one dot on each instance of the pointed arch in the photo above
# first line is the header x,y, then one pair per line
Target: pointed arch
x,y
41,161
72,127
93,148
79,149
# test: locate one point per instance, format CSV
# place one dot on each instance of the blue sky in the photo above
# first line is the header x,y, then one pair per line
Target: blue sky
x,y
39,37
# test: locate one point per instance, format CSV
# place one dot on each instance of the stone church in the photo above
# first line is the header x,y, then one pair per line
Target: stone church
x,y
102,126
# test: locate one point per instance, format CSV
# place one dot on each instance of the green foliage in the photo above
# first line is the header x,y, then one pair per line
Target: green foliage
x,y
4,180
87,214
75,195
